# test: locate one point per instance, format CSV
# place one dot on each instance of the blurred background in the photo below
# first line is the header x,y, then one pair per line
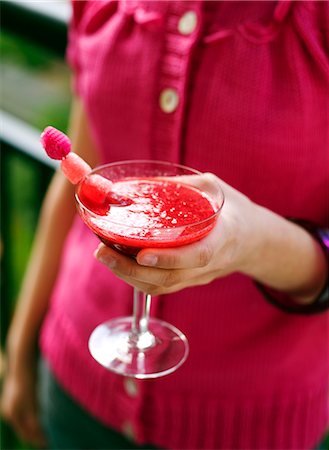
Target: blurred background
x,y
34,92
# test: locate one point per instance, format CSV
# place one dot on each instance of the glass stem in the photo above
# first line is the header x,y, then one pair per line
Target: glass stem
x,y
141,313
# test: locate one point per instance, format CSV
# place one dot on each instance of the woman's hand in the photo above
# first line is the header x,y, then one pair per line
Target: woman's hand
x,y
225,250
247,238
19,404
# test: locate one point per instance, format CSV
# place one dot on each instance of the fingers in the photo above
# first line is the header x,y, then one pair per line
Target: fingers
x,y
127,267
148,279
19,410
25,423
190,256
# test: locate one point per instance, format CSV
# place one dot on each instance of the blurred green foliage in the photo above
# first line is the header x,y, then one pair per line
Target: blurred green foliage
x,y
21,52
35,87
24,182
25,189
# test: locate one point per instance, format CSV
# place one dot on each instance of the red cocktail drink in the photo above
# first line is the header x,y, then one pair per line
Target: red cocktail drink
x,y
134,205
152,213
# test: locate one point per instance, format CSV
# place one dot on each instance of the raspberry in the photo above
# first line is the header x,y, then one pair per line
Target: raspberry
x,y
95,188
56,143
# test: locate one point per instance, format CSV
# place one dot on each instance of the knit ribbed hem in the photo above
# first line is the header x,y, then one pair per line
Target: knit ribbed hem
x,y
176,421
283,423
80,376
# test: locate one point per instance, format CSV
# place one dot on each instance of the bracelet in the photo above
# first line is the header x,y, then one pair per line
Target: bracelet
x,y
284,301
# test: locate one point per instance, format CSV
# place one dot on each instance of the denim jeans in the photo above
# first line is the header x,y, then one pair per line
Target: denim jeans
x,y
67,426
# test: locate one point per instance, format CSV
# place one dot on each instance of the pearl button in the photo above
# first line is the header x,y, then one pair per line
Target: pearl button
x,y
128,430
168,100
187,23
130,387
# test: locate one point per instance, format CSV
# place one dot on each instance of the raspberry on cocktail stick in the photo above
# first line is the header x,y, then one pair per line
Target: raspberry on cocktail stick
x,y
58,146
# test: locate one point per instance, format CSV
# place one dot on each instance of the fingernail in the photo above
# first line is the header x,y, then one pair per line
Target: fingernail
x,y
107,260
149,260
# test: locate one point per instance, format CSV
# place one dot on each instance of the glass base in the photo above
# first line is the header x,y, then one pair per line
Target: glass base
x,y
151,354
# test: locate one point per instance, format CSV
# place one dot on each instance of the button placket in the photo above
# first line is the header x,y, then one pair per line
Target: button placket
x,y
168,100
188,22
132,399
182,29
128,430
130,387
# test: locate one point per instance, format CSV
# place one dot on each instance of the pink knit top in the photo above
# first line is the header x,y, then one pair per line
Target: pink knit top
x,y
249,101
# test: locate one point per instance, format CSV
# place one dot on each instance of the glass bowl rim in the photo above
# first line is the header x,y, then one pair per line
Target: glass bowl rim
x,y
147,161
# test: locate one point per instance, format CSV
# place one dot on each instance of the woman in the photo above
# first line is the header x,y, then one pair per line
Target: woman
x,y
239,90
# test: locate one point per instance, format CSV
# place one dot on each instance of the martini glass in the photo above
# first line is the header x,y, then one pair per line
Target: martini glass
x,y
152,204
